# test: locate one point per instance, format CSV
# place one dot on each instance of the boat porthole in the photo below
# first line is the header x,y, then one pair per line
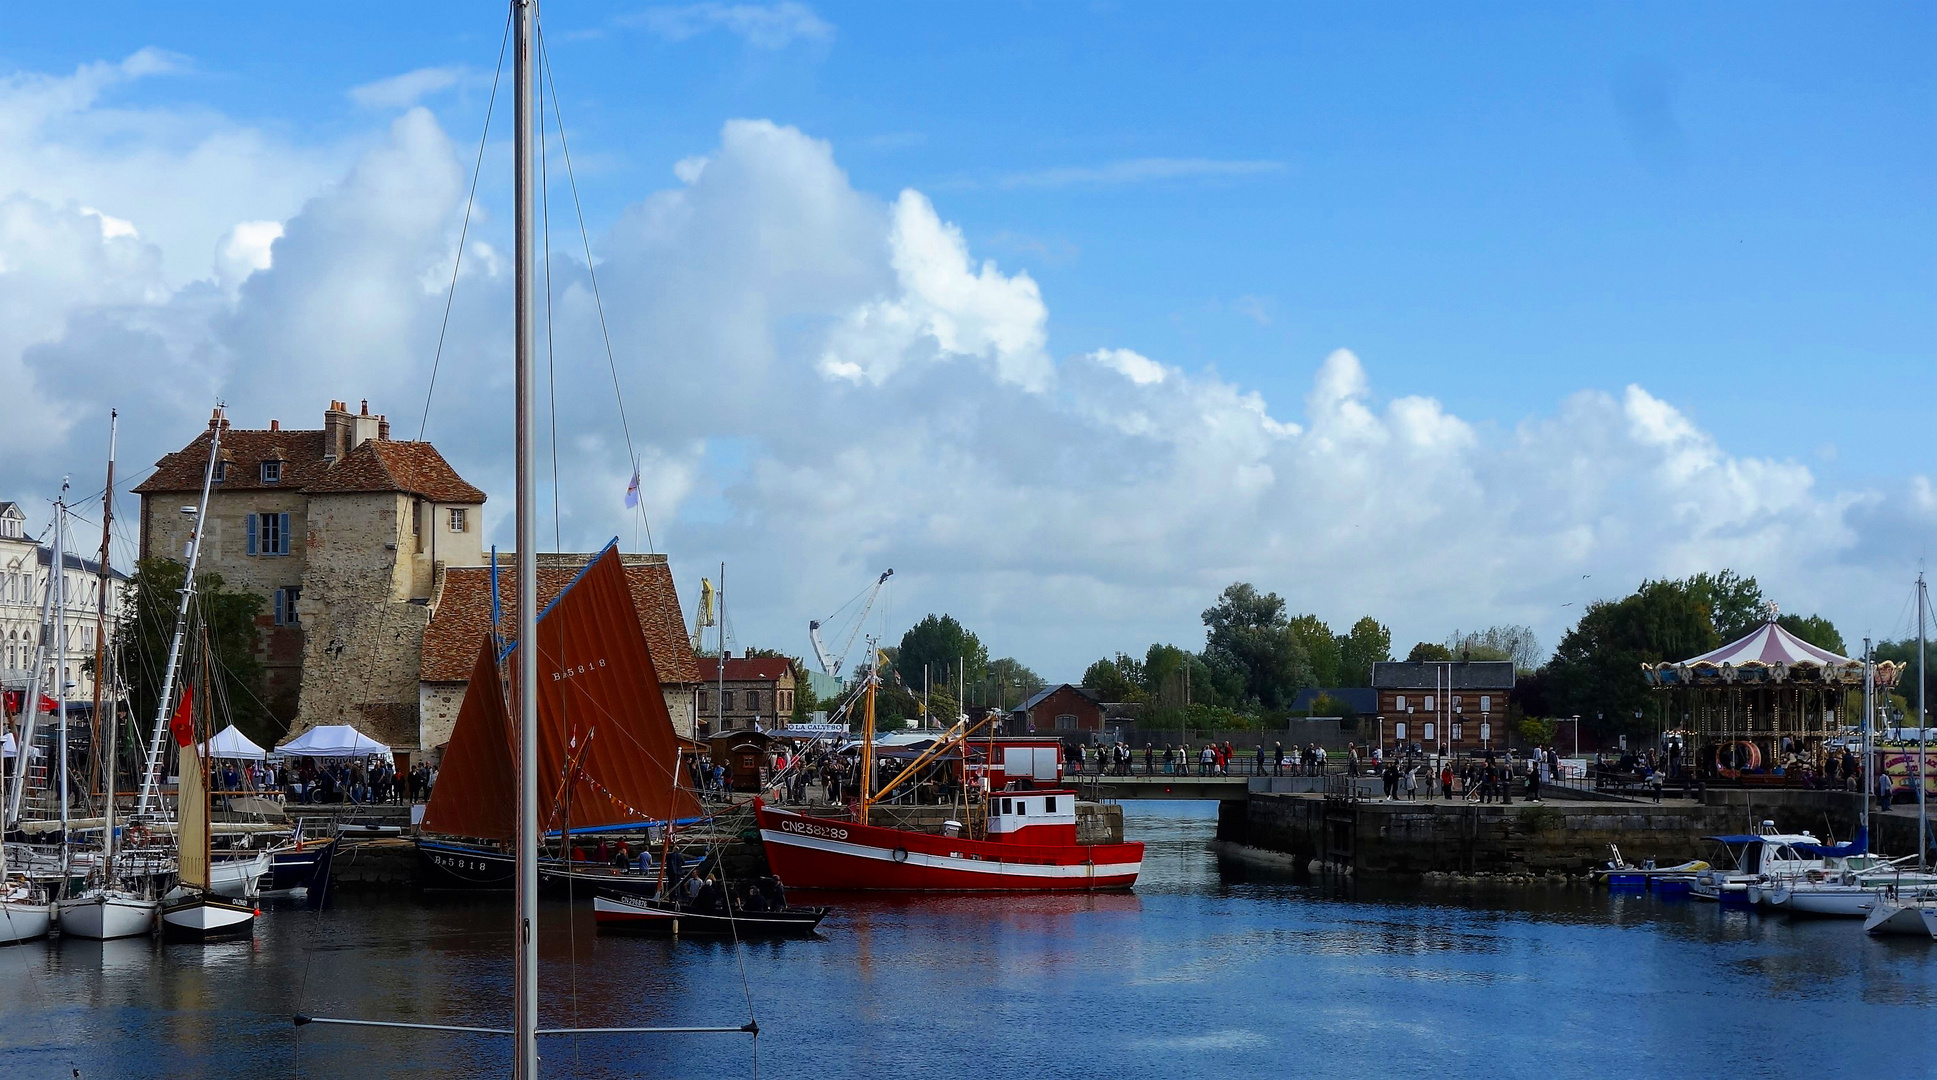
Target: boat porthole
x,y
901,854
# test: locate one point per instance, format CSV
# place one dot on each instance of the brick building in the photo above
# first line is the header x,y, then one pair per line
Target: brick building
x,y
344,533
757,691
1454,706
460,615
1061,708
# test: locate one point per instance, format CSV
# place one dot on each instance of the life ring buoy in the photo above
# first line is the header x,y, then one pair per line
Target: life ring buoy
x,y
901,854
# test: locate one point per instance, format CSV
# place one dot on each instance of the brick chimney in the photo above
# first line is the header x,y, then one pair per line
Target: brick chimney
x,y
275,425
337,430
344,431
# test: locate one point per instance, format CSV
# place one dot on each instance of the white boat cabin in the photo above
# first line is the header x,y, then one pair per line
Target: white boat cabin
x,y
1033,817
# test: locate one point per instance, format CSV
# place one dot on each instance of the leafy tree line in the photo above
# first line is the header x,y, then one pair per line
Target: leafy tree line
x,y
229,620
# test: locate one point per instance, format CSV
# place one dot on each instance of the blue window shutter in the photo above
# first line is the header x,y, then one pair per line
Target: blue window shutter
x,y
278,607
252,534
282,539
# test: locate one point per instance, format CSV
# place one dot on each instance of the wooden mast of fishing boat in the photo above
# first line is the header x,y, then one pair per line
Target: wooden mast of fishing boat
x,y
867,735
525,942
102,583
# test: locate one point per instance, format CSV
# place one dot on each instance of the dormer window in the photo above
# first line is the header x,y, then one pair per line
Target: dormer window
x,y
272,472
221,471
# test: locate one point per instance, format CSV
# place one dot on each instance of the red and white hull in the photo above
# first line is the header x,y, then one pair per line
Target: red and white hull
x,y
821,853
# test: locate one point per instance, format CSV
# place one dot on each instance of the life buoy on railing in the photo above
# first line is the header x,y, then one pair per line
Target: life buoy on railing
x,y
901,854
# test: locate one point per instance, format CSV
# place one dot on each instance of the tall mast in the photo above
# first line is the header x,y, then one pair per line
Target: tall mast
x,y
1869,713
1923,729
719,672
867,732
36,687
58,580
524,17
157,747
102,583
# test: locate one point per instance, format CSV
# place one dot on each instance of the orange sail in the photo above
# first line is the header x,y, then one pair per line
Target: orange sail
x,y
477,785
600,710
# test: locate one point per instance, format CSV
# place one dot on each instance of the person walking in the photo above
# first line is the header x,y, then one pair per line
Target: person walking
x,y
1883,791
1446,782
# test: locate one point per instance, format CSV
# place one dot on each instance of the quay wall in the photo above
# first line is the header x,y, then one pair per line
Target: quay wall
x,y
1530,838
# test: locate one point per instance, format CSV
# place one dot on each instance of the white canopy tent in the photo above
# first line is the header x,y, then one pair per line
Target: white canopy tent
x,y
334,741
231,744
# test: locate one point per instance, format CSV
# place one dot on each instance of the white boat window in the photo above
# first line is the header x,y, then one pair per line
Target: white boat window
x,y
1049,805
1006,808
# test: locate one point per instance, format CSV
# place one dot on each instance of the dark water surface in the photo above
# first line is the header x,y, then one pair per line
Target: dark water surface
x,y
1204,971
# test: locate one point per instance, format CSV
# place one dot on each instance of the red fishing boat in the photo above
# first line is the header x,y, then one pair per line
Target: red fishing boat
x,y
1020,839
1031,846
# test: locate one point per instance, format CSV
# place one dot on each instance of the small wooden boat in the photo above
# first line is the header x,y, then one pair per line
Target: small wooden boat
x,y
642,915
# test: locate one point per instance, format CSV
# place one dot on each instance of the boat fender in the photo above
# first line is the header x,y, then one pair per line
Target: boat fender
x,y
901,854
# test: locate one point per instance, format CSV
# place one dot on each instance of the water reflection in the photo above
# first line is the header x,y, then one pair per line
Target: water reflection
x,y
1209,969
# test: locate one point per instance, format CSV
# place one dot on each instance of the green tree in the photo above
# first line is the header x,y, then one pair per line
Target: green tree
x,y
1367,643
1734,603
1596,672
1321,648
1118,678
1428,650
1816,630
944,646
228,617
1250,647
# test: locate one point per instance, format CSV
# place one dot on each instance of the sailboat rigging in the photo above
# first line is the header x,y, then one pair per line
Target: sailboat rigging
x,y
527,689
106,907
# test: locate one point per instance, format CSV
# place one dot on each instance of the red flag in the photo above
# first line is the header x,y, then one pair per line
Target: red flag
x,y
183,725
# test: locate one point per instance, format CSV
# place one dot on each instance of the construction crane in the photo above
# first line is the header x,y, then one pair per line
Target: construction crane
x,y
703,617
831,662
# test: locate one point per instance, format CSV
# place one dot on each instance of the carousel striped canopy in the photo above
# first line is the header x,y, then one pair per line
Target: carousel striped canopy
x,y
1767,654
1768,644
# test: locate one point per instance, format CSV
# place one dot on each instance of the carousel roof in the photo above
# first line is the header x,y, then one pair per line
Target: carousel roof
x,y
1768,644
1767,654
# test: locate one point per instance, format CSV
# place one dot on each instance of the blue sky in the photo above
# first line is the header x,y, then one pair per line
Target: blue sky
x,y
1492,206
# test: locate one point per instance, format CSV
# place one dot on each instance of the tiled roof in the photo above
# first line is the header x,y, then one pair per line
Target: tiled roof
x,y
1425,675
374,465
745,668
384,465
301,453
463,614
1037,698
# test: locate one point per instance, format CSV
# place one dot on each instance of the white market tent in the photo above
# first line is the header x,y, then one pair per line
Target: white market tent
x,y
231,744
334,741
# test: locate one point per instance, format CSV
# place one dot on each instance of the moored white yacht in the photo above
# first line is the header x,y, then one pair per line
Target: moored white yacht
x,y
1753,855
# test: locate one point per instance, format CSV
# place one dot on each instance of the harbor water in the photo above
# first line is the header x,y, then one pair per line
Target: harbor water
x,y
1208,969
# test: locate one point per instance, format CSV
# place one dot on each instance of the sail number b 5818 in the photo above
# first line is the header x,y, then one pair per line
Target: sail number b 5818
x,y
574,672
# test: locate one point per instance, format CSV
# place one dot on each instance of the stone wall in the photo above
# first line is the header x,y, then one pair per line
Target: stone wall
x,y
1532,838
362,643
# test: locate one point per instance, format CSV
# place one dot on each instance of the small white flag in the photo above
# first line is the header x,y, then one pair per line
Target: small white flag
x,y
632,490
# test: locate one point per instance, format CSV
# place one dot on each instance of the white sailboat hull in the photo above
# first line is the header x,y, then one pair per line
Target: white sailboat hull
x,y
1838,901
100,915
239,879
1916,917
21,921
207,918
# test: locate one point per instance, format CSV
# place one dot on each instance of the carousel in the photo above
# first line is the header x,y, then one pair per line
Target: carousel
x,y
1763,706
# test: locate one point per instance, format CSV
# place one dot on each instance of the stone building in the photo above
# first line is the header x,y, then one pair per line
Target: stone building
x,y
460,616
25,565
343,533
1448,706
756,691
